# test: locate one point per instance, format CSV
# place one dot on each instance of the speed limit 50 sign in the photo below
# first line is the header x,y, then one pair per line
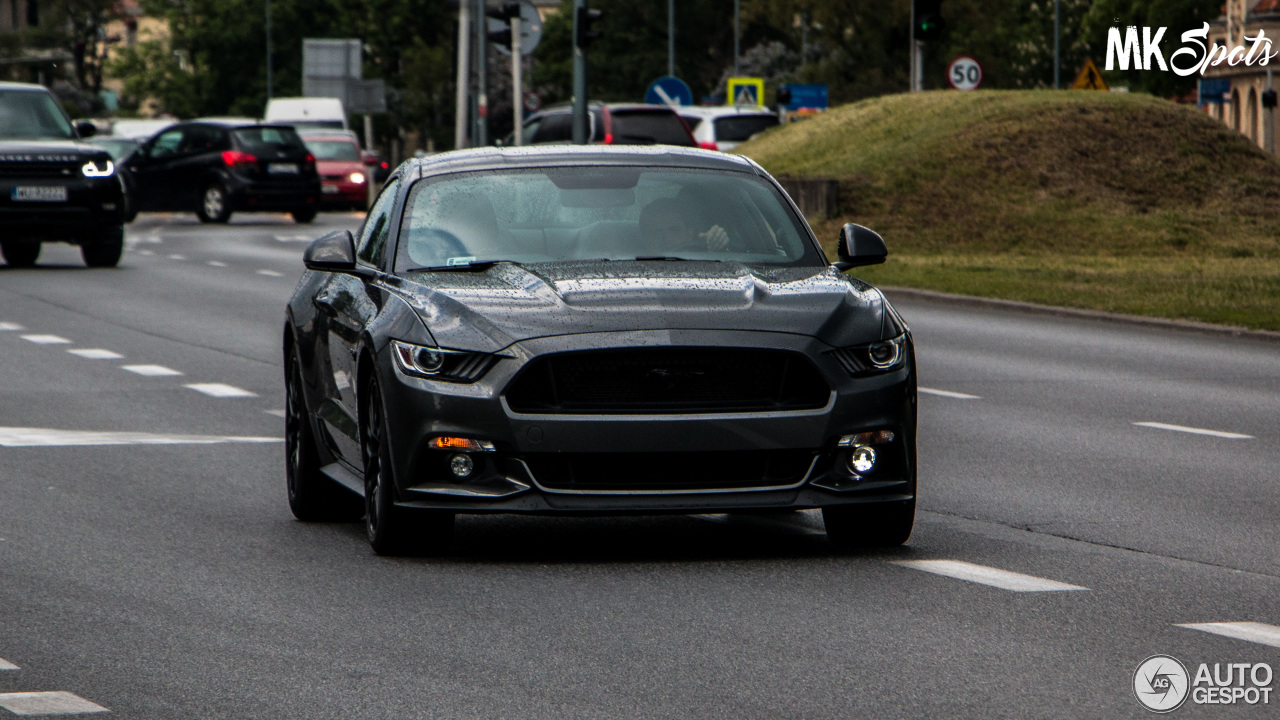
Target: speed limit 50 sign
x,y
964,73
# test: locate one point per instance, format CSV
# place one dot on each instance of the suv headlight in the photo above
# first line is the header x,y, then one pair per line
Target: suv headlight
x,y
440,364
98,169
876,357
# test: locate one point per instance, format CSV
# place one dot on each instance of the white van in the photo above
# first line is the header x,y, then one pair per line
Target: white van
x,y
308,112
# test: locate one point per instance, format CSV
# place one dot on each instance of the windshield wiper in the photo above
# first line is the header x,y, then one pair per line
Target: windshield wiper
x,y
469,266
673,257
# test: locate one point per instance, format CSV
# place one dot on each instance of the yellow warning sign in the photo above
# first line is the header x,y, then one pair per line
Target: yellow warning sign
x,y
745,91
1089,78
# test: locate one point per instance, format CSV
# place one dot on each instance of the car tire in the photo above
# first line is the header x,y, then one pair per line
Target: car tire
x,y
876,525
393,530
215,206
312,496
20,254
304,215
104,249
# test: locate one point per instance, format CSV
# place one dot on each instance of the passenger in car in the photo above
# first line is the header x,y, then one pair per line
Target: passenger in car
x,y
669,225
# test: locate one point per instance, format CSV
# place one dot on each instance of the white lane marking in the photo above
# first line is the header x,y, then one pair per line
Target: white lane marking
x,y
294,238
1256,632
219,390
6,665
277,413
48,703
46,339
995,577
151,370
95,353
1194,431
217,263
50,437
8,326
270,273
177,257
949,393
145,252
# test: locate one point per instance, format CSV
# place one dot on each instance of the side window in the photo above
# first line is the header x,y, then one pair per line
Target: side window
x,y
377,226
166,145
555,127
200,139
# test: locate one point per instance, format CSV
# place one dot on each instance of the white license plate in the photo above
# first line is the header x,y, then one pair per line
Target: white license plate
x,y
40,193
329,189
283,168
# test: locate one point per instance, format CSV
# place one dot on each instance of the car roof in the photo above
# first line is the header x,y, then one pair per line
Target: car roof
x,y
722,110
492,158
612,107
4,85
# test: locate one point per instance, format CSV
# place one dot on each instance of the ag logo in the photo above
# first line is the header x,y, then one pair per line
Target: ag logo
x,y
1160,683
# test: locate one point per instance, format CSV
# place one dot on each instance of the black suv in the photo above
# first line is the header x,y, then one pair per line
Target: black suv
x,y
216,167
611,124
53,187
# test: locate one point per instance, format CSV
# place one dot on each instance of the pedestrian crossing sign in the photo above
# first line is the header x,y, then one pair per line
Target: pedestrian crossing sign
x,y
1089,78
745,91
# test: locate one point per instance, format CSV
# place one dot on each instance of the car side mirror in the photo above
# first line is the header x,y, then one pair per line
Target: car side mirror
x,y
332,252
859,246
86,129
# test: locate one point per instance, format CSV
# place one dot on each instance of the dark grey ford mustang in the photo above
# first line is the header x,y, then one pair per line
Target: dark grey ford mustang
x,y
594,331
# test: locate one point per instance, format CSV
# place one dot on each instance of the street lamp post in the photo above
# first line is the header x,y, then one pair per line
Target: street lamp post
x,y
1056,55
671,38
268,50
737,35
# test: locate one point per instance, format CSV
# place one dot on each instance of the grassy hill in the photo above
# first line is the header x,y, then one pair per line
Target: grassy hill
x,y
1110,201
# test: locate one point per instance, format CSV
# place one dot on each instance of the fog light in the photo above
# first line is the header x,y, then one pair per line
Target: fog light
x,y
862,459
879,437
460,465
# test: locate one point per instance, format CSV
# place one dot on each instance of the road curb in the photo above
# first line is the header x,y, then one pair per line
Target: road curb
x,y
1035,309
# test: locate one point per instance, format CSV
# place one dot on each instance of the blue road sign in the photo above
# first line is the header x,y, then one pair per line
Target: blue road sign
x,y
1214,91
807,96
668,91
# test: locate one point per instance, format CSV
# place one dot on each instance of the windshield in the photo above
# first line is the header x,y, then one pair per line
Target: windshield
x,y
334,150
649,127
611,213
32,115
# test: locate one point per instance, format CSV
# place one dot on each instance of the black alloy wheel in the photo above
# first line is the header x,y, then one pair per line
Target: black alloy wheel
x,y
312,496
20,254
393,530
878,525
104,248
215,206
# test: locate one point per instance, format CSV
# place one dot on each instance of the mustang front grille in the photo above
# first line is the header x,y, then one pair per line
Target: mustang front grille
x,y
675,471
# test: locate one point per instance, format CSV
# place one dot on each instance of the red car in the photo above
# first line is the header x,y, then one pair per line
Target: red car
x,y
344,175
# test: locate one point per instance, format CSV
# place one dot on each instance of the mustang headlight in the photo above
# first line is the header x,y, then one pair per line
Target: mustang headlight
x,y
440,364
873,357
98,168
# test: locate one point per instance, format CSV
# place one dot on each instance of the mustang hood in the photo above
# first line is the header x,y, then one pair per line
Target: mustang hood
x,y
508,303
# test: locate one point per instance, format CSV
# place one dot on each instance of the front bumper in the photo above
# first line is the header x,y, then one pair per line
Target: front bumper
x,y
512,478
91,204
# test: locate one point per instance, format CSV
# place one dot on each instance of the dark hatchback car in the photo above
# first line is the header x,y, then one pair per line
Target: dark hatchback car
x,y
610,124
215,168
53,186
589,330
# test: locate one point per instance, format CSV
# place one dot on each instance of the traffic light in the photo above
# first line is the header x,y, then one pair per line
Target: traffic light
x,y
928,19
1268,98
583,34
783,95
504,12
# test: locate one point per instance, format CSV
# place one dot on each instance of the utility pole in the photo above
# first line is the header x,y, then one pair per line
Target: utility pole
x,y
517,65
1056,55
268,50
737,36
1269,102
671,38
482,79
911,62
579,74
464,76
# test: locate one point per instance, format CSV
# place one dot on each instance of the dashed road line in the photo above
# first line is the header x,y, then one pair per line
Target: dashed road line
x,y
949,394
294,238
271,273
15,437
995,577
277,413
8,327
46,339
48,703
1195,431
95,353
151,370
177,257
1254,632
145,252
6,665
216,263
220,390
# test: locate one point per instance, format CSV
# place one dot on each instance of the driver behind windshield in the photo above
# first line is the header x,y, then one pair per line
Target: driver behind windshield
x,y
671,226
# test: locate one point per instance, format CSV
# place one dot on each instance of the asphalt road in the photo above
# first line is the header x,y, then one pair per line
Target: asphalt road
x,y
164,577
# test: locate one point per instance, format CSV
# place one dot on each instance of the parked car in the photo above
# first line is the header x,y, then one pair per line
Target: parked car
x,y
54,187
139,128
592,330
724,128
216,168
121,148
344,169
307,113
611,124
